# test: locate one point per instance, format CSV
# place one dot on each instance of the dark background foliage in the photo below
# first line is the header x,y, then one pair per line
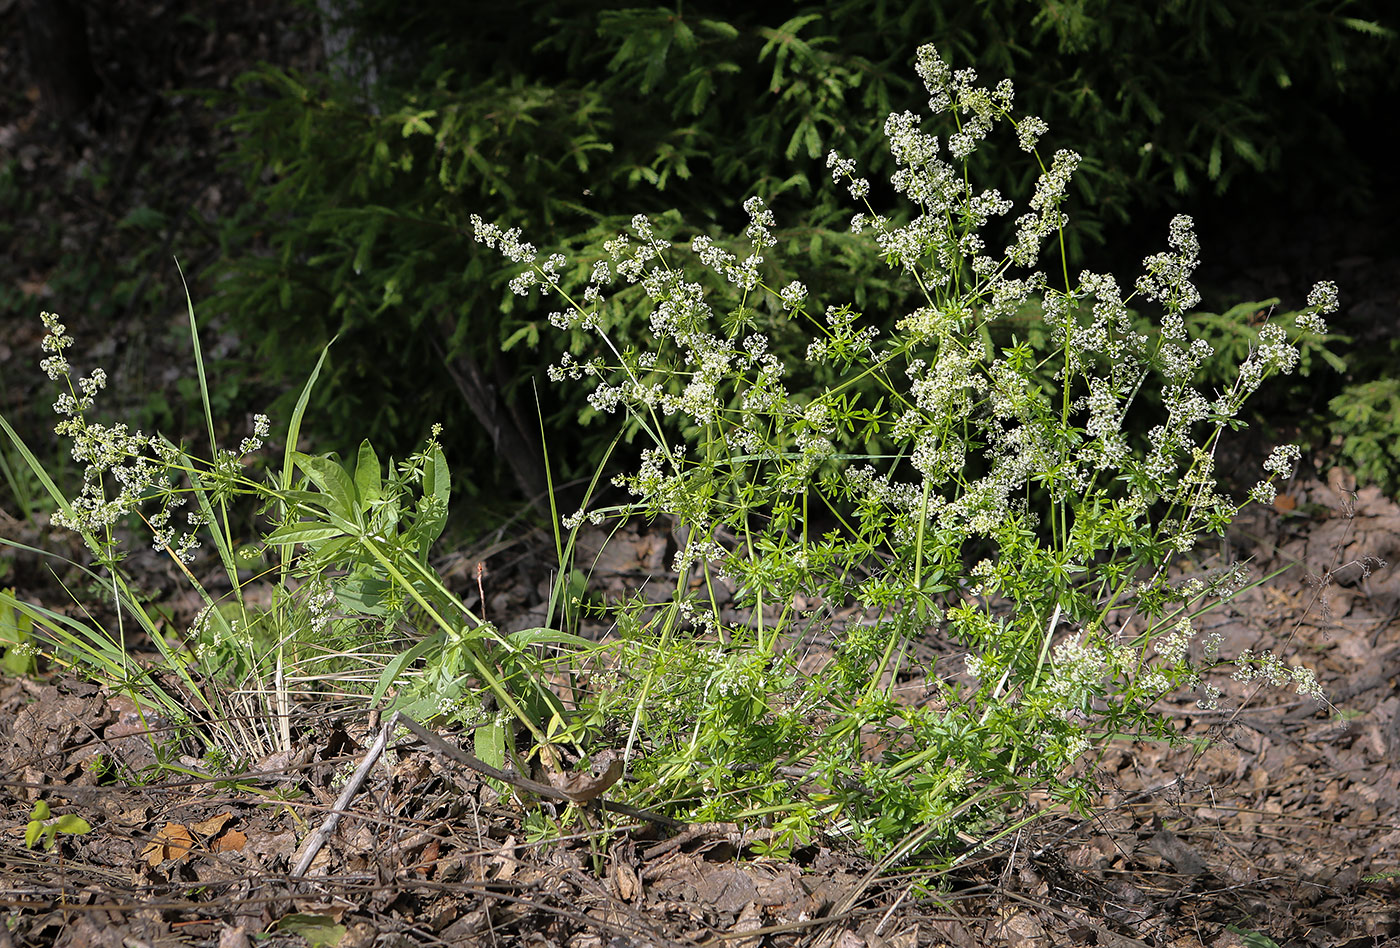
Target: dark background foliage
x,y
569,117
566,117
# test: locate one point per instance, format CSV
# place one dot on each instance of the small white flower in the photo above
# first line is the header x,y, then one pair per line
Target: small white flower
x,y
1323,297
792,295
1263,493
1283,459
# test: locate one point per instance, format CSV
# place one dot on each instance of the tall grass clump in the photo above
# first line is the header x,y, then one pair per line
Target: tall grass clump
x,y
328,599
1016,518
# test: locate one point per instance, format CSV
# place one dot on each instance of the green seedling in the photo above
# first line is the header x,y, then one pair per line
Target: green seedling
x,y
17,648
46,827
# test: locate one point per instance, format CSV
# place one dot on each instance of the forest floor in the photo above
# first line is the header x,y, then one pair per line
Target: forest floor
x,y
1275,821
1275,818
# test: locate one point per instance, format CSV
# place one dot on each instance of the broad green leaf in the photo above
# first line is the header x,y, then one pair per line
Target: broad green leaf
x,y
1253,939
73,825
15,630
490,743
432,508
320,931
363,594
333,480
437,479
368,482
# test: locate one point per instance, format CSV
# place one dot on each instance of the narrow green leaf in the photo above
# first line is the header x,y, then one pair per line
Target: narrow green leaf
x,y
294,429
401,661
543,636
198,361
309,532
1369,27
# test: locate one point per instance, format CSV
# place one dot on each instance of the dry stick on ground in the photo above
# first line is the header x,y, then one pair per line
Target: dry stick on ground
x,y
581,792
318,839
581,795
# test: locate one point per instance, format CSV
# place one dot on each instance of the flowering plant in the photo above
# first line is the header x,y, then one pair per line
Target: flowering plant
x,y
1014,516
948,495
355,598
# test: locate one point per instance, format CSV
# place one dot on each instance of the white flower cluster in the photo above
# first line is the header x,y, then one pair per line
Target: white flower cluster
x,y
1168,276
138,466
1269,668
1172,648
1079,669
56,339
261,428
508,242
1282,460
1322,301
1029,130
845,167
1033,228
320,604
792,295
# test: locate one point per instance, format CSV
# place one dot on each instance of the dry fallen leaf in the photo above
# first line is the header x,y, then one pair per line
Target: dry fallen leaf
x,y
626,884
428,861
211,826
172,842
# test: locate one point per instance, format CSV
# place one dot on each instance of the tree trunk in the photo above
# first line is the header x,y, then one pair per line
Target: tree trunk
x,y
59,56
508,438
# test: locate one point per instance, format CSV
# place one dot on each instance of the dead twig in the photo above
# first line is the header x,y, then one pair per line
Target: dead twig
x,y
316,840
